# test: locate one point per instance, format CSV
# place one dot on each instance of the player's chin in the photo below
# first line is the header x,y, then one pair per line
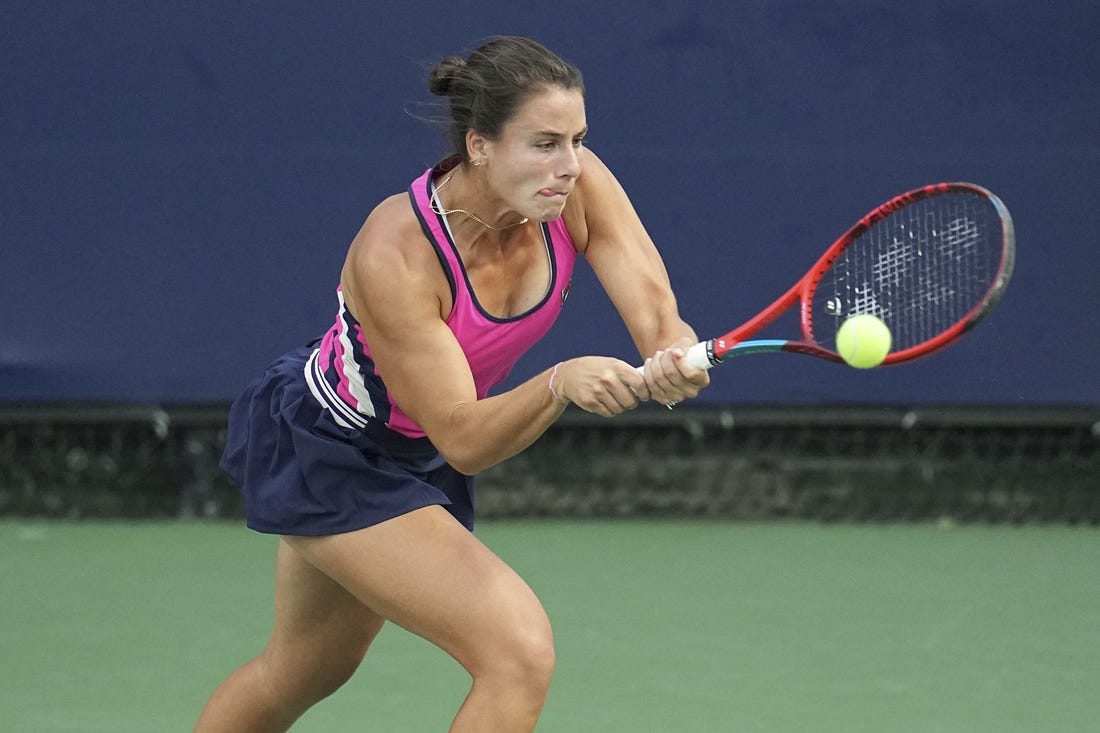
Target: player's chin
x,y
546,217
550,210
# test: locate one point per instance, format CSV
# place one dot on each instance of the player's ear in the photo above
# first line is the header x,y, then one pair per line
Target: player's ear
x,y
475,147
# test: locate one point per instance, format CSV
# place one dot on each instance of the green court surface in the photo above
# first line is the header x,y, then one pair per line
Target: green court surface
x,y
660,626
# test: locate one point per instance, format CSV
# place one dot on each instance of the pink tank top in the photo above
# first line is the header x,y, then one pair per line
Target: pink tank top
x,y
341,373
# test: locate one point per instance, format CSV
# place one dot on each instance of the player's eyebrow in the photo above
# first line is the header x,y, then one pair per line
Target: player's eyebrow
x,y
553,134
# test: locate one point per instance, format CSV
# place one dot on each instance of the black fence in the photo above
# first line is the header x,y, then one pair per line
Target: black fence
x,y
1000,465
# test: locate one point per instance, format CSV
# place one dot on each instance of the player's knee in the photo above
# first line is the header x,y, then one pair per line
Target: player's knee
x,y
538,656
525,658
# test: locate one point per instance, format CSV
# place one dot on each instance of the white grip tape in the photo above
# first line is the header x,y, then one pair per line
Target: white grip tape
x,y
696,356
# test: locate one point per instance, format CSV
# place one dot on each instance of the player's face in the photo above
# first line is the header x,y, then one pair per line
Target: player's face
x,y
535,162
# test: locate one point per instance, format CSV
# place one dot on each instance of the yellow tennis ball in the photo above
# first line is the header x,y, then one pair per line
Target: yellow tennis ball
x,y
863,341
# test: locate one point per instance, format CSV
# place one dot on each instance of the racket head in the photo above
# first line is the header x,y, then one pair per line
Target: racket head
x,y
931,263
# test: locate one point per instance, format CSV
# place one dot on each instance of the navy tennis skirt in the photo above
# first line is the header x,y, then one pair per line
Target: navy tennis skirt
x,y
301,473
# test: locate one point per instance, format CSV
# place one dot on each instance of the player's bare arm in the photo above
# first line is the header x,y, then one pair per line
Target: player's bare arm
x,y
628,265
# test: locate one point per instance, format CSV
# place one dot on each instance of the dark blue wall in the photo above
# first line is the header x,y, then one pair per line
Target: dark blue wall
x,y
179,181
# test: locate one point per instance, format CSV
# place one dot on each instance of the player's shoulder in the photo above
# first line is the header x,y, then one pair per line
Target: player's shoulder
x,y
389,231
593,168
596,181
392,222
597,195
393,214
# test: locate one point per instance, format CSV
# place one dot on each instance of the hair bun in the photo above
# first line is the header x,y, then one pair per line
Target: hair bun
x,y
441,76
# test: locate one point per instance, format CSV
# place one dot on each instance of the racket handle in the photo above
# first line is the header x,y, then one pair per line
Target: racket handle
x,y
696,356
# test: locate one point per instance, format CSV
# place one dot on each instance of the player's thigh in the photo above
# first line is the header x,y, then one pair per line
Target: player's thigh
x,y
429,574
318,622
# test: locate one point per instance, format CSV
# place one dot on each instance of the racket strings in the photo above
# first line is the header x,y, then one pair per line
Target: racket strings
x,y
921,269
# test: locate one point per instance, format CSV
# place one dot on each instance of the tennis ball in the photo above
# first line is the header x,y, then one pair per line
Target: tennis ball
x,y
863,341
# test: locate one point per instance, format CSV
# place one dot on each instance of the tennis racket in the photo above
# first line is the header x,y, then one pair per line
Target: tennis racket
x,y
931,263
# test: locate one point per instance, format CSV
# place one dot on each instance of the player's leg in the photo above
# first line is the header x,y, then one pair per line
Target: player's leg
x,y
320,635
426,572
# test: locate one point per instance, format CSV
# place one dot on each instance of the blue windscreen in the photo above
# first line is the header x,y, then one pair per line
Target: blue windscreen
x,y
180,181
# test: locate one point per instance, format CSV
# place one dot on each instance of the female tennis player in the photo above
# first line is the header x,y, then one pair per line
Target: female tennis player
x,y
358,450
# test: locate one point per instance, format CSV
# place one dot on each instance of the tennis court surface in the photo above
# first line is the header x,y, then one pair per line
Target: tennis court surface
x,y
661,626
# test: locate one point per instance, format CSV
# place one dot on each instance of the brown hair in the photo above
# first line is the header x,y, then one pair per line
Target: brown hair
x,y
486,89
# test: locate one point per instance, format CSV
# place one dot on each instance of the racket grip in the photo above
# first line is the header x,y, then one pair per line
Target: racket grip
x,y
696,356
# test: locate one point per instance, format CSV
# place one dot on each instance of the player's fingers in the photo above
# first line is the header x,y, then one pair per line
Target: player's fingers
x,y
608,403
636,382
694,378
612,390
673,378
659,370
625,391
